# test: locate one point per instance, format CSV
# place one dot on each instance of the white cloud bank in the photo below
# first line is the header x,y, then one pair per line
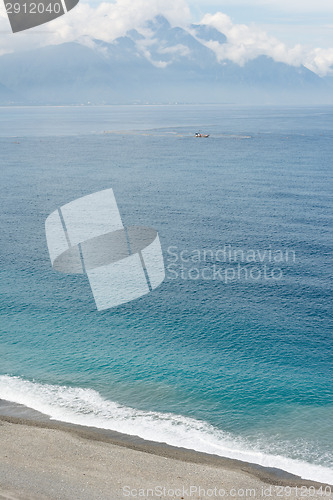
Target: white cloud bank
x,y
108,21
248,42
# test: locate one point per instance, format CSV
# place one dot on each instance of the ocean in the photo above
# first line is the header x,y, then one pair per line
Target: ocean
x,y
232,353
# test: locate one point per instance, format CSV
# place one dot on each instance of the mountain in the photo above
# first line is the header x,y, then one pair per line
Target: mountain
x,y
7,96
158,64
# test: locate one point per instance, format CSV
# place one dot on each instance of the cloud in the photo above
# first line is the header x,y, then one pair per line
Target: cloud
x,y
320,61
108,21
248,42
178,49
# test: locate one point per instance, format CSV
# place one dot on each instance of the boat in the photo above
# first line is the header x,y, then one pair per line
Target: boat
x,y
198,134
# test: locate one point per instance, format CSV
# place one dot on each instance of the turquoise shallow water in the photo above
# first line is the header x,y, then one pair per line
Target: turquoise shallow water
x,y
232,354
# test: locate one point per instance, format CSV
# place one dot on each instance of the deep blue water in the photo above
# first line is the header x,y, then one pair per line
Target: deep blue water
x,y
241,366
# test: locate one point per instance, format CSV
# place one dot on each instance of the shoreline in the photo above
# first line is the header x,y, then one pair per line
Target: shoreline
x,y
42,441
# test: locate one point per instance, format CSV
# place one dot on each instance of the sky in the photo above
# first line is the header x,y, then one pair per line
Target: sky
x,y
292,31
292,21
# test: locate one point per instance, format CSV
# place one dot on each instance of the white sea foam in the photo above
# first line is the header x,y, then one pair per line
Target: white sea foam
x,y
87,407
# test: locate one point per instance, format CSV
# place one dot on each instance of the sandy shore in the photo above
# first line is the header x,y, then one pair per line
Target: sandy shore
x,y
48,460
